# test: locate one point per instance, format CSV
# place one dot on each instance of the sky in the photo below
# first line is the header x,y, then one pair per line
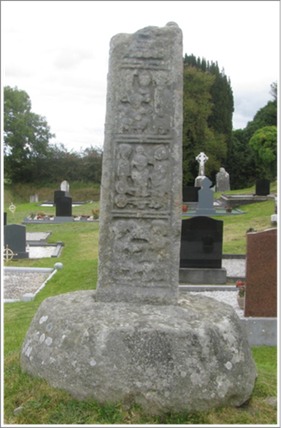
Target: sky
x,y
58,52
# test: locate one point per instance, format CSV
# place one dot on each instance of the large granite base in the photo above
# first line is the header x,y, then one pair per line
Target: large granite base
x,y
202,276
193,355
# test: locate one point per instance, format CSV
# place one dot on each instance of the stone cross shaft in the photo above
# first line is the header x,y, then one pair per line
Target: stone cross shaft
x,y
140,217
201,159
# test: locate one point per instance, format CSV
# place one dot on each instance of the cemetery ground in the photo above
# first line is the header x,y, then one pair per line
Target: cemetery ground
x,y
32,401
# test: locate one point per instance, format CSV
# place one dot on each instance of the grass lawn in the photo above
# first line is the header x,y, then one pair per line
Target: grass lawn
x,y
41,404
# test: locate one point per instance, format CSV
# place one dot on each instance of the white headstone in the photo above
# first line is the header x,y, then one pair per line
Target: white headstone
x,y
64,186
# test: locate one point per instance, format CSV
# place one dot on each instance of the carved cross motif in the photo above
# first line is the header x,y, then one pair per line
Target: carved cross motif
x,y
202,159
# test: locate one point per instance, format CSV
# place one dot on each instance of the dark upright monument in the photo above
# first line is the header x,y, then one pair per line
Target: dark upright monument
x,y
201,251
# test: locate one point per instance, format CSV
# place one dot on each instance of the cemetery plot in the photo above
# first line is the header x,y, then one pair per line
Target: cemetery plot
x,y
38,247
19,244
21,281
63,209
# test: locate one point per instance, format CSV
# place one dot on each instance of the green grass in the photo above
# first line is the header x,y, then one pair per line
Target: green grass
x,y
42,404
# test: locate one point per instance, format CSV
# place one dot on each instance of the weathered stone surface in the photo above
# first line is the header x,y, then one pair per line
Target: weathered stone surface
x,y
133,340
189,356
140,216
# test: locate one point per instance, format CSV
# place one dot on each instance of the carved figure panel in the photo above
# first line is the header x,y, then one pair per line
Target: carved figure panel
x,y
144,102
140,251
142,178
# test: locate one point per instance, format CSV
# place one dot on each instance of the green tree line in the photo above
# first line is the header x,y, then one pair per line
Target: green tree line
x,y
29,157
247,154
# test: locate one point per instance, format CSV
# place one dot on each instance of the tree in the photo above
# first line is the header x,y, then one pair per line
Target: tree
x,y
26,137
220,118
244,164
196,110
264,144
92,164
207,116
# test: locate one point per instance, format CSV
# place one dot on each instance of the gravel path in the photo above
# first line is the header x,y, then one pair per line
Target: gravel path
x,y
229,297
16,284
40,252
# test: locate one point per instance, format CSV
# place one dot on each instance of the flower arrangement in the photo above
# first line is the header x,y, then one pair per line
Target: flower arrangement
x,y
96,213
241,285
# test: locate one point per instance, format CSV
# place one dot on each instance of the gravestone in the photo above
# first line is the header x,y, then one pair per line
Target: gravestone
x,y
33,198
64,206
134,340
262,187
205,199
201,251
201,243
190,194
274,217
222,181
15,239
58,194
5,218
64,186
62,201
261,274
201,159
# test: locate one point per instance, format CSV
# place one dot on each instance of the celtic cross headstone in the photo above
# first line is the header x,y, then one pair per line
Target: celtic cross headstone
x,y
201,159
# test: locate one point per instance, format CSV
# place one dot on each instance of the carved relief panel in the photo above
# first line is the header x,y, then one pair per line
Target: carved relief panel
x,y
140,251
144,102
142,176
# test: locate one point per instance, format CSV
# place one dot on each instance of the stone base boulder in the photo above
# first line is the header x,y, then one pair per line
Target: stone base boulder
x,y
185,357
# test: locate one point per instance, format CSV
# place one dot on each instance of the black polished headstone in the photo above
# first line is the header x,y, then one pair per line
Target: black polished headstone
x,y
64,207
5,218
262,187
15,239
190,194
201,243
58,194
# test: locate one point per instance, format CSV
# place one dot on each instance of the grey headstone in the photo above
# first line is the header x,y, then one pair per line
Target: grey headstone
x,y
33,198
222,181
205,199
15,239
141,190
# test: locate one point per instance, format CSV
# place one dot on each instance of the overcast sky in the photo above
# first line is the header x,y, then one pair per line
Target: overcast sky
x,y
57,51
